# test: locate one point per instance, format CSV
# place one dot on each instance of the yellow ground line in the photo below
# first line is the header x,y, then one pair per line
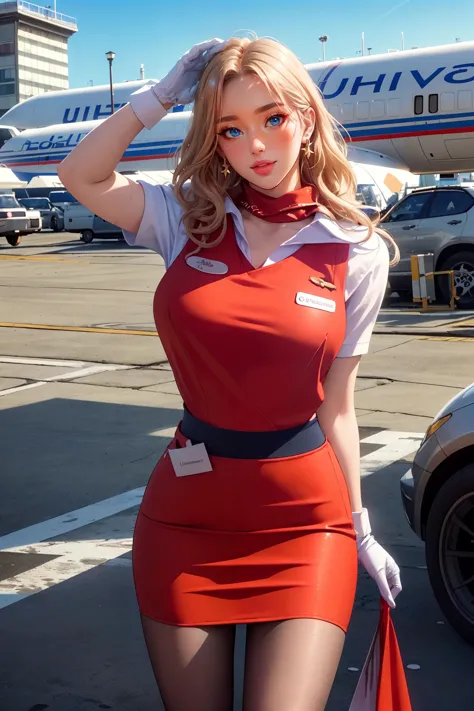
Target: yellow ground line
x,y
83,329
461,324
464,339
12,257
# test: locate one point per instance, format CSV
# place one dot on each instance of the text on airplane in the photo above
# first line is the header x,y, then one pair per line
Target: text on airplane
x,y
457,74
99,111
54,141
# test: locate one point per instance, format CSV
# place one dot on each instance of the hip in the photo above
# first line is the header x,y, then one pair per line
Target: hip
x,y
305,491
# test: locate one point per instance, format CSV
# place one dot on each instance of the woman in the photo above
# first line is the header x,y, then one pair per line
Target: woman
x,y
274,280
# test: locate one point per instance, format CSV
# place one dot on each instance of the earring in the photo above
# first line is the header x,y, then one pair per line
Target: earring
x,y
307,150
225,168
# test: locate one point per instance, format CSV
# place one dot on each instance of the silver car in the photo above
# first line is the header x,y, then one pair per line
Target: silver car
x,y
438,497
439,221
52,217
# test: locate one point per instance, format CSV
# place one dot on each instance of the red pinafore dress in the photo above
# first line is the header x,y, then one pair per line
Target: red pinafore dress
x,y
251,540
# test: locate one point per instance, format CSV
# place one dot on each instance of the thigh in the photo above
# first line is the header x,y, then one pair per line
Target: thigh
x,y
193,666
291,664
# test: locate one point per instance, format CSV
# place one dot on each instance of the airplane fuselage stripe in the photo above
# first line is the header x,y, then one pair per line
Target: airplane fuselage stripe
x,y
164,149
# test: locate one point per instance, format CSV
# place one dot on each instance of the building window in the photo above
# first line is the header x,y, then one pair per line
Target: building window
x,y
7,33
7,74
7,89
418,108
433,103
7,48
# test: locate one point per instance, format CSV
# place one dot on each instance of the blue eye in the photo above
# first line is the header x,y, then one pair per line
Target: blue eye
x,y
276,119
230,132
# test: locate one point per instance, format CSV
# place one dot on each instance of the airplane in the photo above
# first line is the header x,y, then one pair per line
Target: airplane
x,y
404,114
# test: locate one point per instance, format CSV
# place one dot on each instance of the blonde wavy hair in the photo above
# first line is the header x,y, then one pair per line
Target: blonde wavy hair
x,y
289,82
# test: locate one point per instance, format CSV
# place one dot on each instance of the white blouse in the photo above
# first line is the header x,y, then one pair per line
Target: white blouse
x,y
367,269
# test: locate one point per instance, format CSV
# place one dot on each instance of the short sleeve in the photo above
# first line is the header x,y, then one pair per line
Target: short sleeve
x,y
366,284
160,228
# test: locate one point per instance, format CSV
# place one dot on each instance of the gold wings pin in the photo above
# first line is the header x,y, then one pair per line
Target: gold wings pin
x,y
320,282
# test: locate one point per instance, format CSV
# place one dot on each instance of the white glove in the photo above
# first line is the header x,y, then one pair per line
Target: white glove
x,y
177,87
375,559
180,84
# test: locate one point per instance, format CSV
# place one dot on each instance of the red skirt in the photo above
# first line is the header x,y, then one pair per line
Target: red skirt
x,y
250,541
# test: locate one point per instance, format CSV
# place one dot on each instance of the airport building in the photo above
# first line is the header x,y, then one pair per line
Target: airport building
x,y
33,51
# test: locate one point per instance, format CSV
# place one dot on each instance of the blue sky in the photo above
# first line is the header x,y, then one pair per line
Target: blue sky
x,y
156,33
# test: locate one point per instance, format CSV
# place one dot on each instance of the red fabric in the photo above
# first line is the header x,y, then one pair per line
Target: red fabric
x,y
392,689
295,205
252,539
382,685
245,355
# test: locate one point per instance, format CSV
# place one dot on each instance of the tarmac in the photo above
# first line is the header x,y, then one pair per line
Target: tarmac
x,y
88,403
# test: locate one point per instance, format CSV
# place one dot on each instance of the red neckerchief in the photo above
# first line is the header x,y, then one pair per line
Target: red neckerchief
x,y
291,207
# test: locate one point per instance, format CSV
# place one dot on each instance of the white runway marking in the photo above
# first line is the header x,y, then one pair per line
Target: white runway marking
x,y
79,556
89,370
42,361
396,445
72,520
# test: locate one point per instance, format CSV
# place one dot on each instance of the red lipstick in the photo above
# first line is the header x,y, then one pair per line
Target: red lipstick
x,y
263,167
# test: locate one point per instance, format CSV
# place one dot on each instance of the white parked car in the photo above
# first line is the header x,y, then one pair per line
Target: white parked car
x,y
35,222
78,218
13,220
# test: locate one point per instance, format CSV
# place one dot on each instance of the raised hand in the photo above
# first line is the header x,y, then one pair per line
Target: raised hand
x,y
179,85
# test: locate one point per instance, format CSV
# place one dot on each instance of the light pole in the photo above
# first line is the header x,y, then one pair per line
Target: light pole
x,y
323,39
369,49
111,56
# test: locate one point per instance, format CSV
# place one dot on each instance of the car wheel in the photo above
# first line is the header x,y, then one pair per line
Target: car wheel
x,y
450,550
462,263
13,240
87,236
54,224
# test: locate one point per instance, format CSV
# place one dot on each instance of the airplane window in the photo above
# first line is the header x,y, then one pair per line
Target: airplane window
x,y
418,108
394,107
433,103
447,101
450,202
378,109
5,135
348,112
362,109
411,208
464,100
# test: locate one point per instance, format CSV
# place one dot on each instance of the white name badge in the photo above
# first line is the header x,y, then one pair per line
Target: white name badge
x,y
315,302
209,266
192,459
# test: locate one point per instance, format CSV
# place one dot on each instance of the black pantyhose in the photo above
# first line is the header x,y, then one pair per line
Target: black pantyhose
x,y
290,665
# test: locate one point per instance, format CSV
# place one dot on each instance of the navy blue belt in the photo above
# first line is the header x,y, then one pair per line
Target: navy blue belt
x,y
234,444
